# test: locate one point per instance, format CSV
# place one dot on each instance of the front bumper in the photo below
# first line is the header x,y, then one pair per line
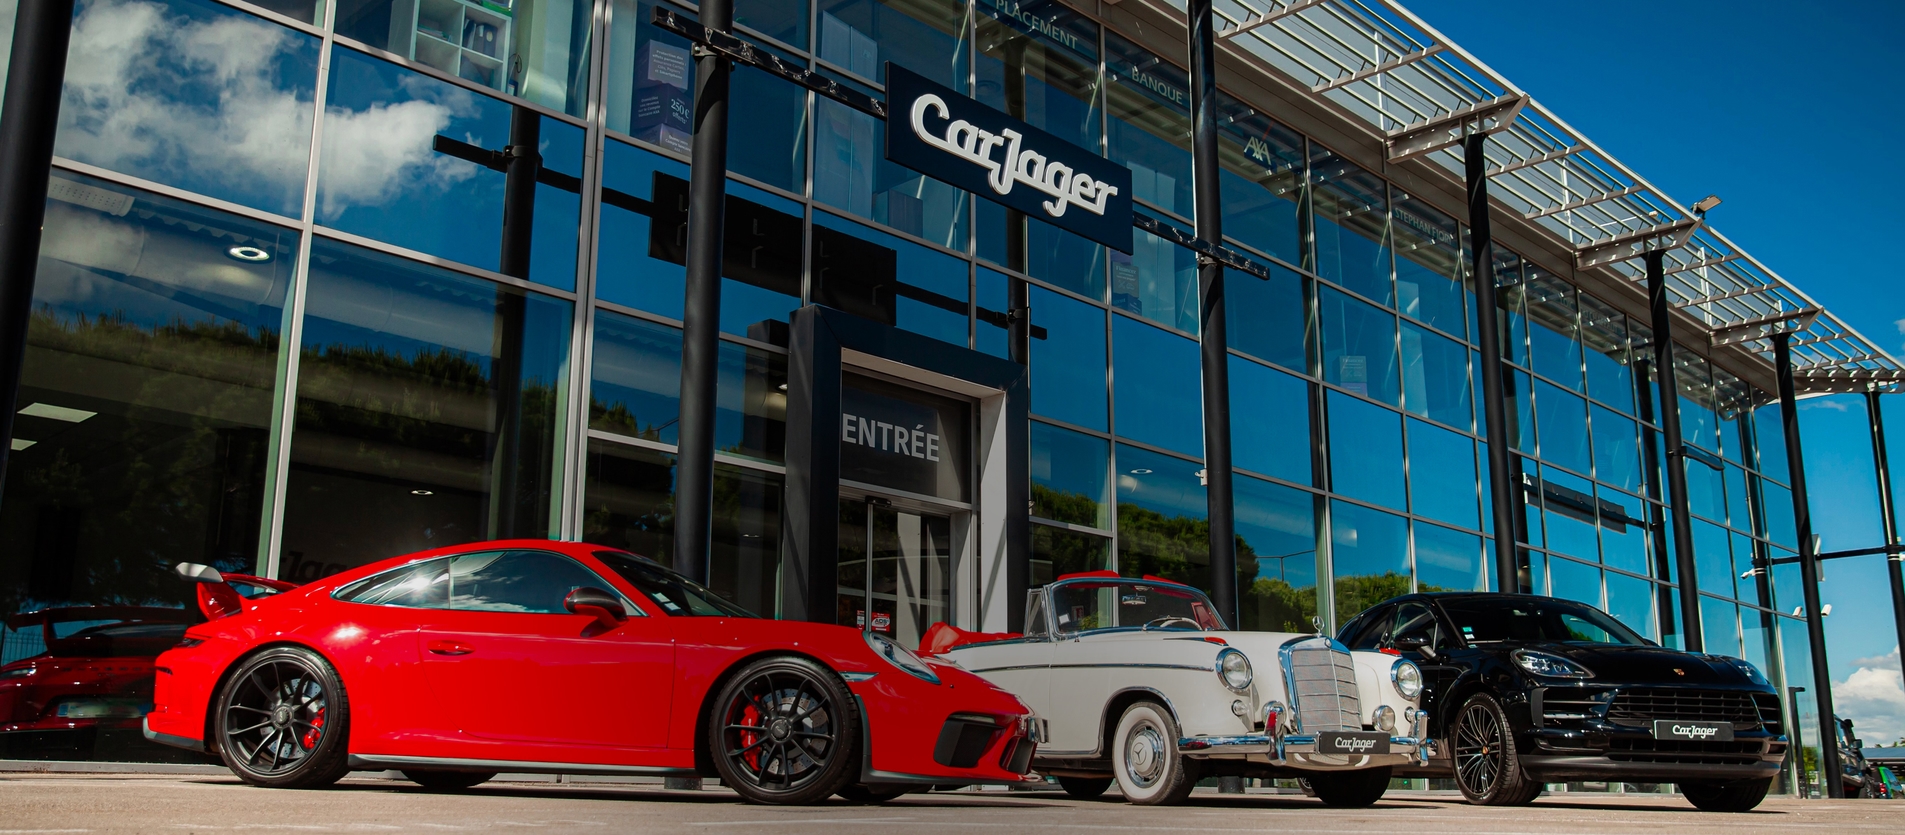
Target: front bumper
x,y
1601,752
1301,751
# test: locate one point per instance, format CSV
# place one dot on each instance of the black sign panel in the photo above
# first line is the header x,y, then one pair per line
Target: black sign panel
x,y
1693,731
947,136
900,437
1352,742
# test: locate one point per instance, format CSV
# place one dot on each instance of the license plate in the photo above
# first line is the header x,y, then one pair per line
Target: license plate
x,y
1352,742
1693,731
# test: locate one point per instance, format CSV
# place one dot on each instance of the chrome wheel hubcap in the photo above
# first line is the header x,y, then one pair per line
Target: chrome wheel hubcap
x,y
1144,756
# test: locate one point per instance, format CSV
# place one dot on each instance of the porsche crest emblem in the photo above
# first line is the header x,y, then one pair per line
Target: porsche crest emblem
x,y
1679,672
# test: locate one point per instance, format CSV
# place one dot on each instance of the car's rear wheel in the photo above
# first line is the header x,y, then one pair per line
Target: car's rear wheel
x,y
448,781
1487,769
1350,788
861,793
283,720
1725,795
785,730
1145,760
1084,788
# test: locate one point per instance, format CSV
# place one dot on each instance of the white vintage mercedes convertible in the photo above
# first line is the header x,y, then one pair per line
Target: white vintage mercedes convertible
x,y
1143,684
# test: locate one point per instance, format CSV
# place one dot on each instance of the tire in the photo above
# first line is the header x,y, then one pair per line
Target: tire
x,y
1085,788
1145,760
862,793
1487,769
448,781
282,720
784,730
1350,788
1725,795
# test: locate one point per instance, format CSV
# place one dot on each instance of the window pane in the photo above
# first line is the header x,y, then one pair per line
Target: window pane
x,y
1057,552
1556,349
1158,386
1359,347
160,91
428,408
1365,451
407,160
523,582
1610,378
1571,527
1150,124
1162,518
1448,560
1276,532
991,300
1769,435
1616,450
1428,257
1352,226
1435,376
1261,180
1720,627
1698,423
146,400
1624,544
1713,559
1268,318
1369,557
1069,476
1706,490
1270,421
1738,517
635,379
1442,474
1051,254
1510,312
851,173
1068,364
1158,281
1631,601
861,36
1575,581
1563,419
889,280
536,49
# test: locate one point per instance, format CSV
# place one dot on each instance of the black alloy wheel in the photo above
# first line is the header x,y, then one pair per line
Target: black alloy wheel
x,y
1487,769
283,720
447,781
785,730
1085,788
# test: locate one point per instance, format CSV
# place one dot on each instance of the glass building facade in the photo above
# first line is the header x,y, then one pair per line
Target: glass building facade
x,y
284,325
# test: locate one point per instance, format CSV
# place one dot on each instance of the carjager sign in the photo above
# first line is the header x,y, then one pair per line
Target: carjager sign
x,y
945,135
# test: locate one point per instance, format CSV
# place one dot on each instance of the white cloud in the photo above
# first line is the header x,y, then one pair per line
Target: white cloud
x,y
1823,403
1873,697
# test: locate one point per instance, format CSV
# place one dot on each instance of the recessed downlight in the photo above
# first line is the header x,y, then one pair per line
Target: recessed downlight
x,y
249,254
1141,471
22,443
50,411
423,492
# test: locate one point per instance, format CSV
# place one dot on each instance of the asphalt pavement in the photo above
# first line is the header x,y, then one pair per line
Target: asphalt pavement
x,y
204,803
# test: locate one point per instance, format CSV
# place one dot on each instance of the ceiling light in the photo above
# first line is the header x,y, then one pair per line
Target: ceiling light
x,y
20,444
422,493
48,410
249,254
1141,471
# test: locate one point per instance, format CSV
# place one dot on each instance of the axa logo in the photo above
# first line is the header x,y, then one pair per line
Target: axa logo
x,y
1259,150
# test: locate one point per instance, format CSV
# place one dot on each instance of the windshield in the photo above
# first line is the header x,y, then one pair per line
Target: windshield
x,y
1131,604
675,594
1558,621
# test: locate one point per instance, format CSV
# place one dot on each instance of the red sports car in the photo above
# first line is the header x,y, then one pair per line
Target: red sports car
x,y
96,671
536,656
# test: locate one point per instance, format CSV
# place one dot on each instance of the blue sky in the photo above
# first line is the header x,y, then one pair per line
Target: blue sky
x,y
1748,99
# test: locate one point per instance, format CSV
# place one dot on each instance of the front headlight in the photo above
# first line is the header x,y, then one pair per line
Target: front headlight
x,y
901,657
1551,666
1408,678
18,672
1751,672
1234,669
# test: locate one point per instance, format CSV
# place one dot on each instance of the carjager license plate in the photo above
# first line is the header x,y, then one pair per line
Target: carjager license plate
x,y
1693,731
1353,742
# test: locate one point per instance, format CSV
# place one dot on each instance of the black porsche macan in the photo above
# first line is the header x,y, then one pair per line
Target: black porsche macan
x,y
1526,690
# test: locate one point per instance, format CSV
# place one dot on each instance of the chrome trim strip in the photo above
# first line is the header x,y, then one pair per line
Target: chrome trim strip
x,y
375,762
1191,667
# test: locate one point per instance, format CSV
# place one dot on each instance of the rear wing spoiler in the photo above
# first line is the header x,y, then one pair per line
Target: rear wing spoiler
x,y
217,597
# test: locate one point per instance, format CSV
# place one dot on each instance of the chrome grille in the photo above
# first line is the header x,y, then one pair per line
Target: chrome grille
x,y
1323,688
1642,705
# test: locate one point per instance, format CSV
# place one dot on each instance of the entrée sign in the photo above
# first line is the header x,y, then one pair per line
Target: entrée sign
x,y
938,132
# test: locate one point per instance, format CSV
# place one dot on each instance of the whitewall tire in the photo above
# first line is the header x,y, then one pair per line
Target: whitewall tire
x,y
1145,760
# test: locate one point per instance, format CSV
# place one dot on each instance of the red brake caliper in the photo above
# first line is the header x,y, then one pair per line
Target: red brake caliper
x,y
751,716
310,738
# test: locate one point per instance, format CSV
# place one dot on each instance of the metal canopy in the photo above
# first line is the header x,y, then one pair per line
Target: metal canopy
x,y
1418,90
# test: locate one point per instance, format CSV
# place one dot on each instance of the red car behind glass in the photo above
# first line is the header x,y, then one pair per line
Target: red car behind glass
x,y
96,671
535,656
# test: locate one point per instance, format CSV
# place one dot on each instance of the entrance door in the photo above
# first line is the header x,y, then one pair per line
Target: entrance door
x,y
896,568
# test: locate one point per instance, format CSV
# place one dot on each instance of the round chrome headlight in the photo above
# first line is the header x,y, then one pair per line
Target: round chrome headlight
x,y
1234,669
1408,678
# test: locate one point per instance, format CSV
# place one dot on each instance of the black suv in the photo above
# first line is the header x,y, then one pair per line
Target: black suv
x,y
1526,690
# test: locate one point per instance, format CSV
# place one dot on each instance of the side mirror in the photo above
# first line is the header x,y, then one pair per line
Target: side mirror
x,y
604,606
1414,643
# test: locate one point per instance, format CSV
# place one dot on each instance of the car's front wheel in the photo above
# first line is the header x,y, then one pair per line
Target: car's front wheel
x,y
1725,795
785,730
1487,769
283,720
1350,788
1145,760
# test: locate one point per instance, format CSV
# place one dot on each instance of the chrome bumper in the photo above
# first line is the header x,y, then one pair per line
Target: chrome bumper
x,y
1300,751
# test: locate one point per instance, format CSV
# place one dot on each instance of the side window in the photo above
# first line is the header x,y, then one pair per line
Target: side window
x,y
516,581
421,585
1374,628
1414,620
1035,615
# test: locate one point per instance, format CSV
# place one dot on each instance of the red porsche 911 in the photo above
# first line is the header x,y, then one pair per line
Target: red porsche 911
x,y
535,656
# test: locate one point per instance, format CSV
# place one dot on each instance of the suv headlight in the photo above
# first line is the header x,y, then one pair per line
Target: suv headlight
x,y
1408,678
901,657
1551,666
1234,669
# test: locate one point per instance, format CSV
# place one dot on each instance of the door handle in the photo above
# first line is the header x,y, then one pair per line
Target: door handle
x,y
450,648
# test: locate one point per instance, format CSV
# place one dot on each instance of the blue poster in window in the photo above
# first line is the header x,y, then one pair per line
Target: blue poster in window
x,y
936,131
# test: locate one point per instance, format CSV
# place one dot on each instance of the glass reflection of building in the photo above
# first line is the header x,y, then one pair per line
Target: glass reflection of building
x,y
292,321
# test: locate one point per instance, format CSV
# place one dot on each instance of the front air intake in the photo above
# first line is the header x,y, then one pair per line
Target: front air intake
x,y
963,741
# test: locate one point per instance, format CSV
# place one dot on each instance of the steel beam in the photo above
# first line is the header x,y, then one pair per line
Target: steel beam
x,y
1808,568
1792,321
1710,262
1533,161
1449,129
1394,63
1502,465
1888,522
1732,294
1210,285
1584,202
1268,18
1621,247
1692,639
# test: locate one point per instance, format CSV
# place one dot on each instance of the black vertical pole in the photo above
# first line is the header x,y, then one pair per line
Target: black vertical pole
x,y
1501,472
29,120
1894,576
1808,568
1651,475
1018,295
1210,294
701,309
522,163
1692,639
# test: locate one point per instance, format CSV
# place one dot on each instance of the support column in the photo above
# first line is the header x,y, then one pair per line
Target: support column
x,y
701,308
1808,569
1692,639
1501,469
1210,296
1650,474
1894,572
29,120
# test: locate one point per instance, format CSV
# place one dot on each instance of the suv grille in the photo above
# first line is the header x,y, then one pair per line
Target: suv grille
x,y
1736,752
1642,705
1323,685
1771,713
1567,704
